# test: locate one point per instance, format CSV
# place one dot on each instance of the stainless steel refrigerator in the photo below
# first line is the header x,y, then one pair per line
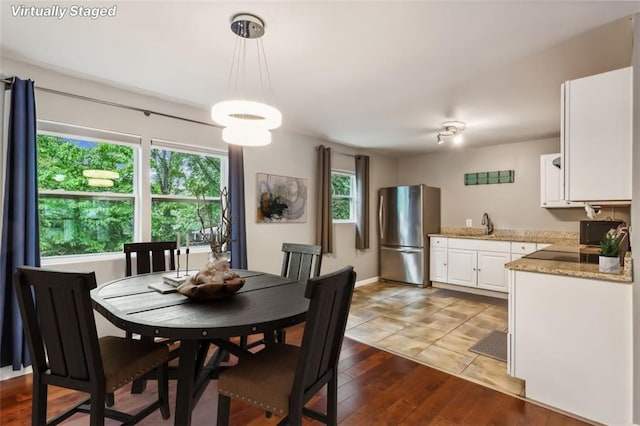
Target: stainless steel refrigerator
x,y
406,215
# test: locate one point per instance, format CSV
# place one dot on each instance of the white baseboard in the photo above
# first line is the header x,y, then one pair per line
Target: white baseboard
x,y
367,281
8,372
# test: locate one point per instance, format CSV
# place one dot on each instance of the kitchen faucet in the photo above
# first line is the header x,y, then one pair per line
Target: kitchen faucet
x,y
488,226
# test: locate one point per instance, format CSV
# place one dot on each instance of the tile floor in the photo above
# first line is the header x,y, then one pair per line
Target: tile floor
x,y
432,326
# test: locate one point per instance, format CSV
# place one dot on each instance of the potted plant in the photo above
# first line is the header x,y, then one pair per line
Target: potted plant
x,y
609,260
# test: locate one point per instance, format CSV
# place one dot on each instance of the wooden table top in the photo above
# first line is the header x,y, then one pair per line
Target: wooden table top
x,y
265,302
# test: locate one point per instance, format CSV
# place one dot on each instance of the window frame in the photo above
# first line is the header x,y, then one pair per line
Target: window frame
x,y
352,197
185,149
141,195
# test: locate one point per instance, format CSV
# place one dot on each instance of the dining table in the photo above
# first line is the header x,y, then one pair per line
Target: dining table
x,y
264,304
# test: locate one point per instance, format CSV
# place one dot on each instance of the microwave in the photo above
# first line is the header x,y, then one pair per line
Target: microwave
x,y
592,232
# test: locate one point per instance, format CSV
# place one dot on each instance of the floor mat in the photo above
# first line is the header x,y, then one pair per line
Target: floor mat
x,y
494,346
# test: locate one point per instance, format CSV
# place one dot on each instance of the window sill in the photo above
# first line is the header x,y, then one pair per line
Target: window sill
x,y
103,257
344,222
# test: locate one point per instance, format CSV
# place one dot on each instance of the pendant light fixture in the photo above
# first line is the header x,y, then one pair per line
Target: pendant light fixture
x,y
247,122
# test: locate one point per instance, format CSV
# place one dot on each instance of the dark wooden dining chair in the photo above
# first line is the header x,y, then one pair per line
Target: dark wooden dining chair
x,y
150,257
298,261
65,350
283,378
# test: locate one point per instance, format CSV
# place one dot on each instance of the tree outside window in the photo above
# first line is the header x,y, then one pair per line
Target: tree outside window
x,y
343,196
176,178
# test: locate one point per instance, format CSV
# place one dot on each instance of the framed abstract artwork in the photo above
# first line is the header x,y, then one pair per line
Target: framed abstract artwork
x,y
281,199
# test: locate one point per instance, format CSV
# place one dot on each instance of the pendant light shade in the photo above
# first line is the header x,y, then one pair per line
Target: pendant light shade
x,y
246,122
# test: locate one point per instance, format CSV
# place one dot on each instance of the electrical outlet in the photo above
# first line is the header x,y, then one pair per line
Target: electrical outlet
x,y
469,223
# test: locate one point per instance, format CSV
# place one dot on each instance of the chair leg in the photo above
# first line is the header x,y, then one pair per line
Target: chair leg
x,y
332,401
281,336
163,390
39,403
243,342
224,403
109,399
97,408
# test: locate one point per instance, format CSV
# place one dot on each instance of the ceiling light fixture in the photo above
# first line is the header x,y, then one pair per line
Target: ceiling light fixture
x,y
451,128
246,122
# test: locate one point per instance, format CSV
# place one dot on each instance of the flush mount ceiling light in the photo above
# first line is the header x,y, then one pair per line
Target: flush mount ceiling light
x,y
246,122
451,128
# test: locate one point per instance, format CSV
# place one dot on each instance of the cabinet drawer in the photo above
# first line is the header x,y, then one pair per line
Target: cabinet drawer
x,y
438,241
500,246
522,248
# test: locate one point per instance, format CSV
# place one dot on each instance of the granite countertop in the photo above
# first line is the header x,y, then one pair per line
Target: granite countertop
x,y
525,236
573,269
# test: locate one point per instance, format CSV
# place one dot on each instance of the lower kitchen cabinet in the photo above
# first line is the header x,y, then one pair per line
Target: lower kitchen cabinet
x,y
470,263
438,264
491,272
463,266
571,340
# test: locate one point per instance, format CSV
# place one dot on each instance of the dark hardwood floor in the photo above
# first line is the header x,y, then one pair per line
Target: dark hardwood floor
x,y
375,388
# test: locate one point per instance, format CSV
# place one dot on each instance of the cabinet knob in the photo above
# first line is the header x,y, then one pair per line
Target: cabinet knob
x,y
444,264
545,203
474,269
522,247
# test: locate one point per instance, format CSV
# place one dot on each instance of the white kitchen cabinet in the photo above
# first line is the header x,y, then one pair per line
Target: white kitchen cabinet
x,y
478,263
552,183
491,272
462,267
571,339
438,264
596,135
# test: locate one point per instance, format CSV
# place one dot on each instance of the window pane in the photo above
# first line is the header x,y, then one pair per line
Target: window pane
x,y
340,184
341,208
169,217
83,225
178,173
78,165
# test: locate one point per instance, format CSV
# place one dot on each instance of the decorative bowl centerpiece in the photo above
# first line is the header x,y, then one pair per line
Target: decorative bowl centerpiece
x,y
214,281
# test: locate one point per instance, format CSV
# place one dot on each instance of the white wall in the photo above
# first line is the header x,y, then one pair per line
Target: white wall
x,y
510,206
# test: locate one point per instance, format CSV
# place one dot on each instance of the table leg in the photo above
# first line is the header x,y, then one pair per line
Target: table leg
x,y
186,373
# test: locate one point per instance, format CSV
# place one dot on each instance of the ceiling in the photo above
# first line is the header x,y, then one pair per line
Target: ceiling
x,y
380,75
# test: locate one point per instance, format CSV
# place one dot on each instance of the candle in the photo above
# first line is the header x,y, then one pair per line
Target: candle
x,y
178,241
187,240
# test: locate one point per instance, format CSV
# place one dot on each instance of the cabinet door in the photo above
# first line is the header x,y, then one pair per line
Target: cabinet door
x,y
462,267
597,133
492,274
551,191
438,264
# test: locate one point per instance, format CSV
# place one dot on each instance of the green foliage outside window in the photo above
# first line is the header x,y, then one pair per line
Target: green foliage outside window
x,y
72,222
182,174
342,193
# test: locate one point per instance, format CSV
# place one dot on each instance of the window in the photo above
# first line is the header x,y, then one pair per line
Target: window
x,y
176,178
343,196
86,198
93,197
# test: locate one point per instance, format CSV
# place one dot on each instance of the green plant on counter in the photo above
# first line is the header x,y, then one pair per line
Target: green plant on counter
x,y
610,245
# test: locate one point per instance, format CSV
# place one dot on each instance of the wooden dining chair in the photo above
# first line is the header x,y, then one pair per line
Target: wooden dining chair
x,y
282,378
65,350
150,257
298,262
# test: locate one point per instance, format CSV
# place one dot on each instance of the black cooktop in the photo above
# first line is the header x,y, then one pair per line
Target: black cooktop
x,y
563,256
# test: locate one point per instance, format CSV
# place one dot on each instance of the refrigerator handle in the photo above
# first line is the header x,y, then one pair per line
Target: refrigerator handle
x,y
381,217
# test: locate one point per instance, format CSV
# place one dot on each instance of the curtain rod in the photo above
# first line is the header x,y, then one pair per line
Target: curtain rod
x,y
146,112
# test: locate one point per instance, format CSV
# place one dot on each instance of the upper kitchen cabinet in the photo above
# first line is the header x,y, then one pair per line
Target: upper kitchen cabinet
x,y
596,137
552,183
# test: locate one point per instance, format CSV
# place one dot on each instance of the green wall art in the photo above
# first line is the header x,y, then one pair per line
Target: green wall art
x,y
489,178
